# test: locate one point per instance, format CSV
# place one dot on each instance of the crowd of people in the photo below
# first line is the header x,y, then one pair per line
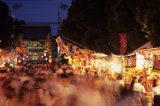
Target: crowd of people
x,y
60,85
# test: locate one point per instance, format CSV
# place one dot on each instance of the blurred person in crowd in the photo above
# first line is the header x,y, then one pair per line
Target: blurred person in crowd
x,y
39,96
96,75
134,80
138,91
122,87
155,92
24,94
120,81
10,97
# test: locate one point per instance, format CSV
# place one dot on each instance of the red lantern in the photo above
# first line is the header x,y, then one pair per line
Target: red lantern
x,y
27,57
42,57
19,61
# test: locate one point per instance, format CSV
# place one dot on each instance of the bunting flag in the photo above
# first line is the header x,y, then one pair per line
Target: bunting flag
x,y
63,49
59,41
74,48
67,50
123,41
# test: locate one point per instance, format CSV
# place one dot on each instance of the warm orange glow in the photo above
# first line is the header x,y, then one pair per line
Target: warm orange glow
x,y
19,61
42,57
27,57
50,60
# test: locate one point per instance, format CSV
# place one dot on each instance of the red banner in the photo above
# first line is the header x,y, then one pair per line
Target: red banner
x,y
123,41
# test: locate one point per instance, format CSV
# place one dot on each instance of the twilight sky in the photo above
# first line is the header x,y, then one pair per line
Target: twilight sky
x,y
33,11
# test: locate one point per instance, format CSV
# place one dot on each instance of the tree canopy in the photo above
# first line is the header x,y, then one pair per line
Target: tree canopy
x,y
148,16
9,27
6,24
97,24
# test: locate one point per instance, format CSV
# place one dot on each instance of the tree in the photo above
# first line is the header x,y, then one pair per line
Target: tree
x,y
6,24
49,44
148,16
18,33
97,24
63,6
79,24
124,13
17,5
19,40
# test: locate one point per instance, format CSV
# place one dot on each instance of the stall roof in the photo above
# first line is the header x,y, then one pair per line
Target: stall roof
x,y
145,46
151,51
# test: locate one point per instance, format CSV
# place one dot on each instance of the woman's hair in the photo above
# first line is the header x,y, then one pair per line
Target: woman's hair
x,y
155,83
119,77
133,82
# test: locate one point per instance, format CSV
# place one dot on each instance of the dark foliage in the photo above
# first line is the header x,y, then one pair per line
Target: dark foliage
x,y
6,24
97,24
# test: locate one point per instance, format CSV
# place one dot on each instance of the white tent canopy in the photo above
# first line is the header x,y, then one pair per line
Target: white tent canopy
x,y
145,46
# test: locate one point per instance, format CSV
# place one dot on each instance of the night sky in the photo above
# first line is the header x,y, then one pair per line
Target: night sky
x,y
35,11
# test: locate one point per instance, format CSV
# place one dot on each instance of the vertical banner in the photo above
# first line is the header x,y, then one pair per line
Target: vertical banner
x,y
74,48
59,41
123,41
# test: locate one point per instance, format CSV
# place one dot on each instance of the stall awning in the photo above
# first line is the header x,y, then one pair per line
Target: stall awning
x,y
134,68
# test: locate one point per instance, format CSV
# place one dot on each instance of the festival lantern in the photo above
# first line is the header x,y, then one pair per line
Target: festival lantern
x,y
19,61
42,57
50,60
27,57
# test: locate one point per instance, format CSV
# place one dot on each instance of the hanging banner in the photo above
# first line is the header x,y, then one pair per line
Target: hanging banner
x,y
59,41
123,41
139,61
130,61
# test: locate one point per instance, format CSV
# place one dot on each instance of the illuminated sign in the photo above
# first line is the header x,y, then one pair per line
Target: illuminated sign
x,y
139,61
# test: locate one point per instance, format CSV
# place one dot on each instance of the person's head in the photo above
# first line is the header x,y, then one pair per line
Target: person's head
x,y
134,80
140,80
40,83
156,83
26,84
95,72
119,77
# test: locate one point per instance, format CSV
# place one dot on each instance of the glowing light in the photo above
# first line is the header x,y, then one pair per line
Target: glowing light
x,y
151,56
45,54
50,60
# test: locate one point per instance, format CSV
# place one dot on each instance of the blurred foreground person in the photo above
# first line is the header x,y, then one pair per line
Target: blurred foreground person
x,y
138,91
156,93
24,94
